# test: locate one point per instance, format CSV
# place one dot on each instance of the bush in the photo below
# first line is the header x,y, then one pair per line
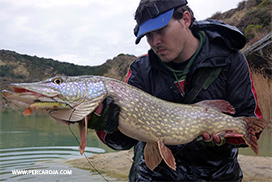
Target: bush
x,y
265,3
259,16
241,5
251,31
256,16
5,71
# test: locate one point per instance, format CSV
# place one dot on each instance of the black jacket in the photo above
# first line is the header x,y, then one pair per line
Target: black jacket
x,y
196,162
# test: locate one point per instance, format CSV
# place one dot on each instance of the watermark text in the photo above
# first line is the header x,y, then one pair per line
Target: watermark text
x,y
42,172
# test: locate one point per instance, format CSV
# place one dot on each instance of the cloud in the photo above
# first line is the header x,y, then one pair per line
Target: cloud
x,y
205,9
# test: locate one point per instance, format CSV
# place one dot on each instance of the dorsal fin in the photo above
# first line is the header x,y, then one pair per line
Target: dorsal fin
x,y
218,105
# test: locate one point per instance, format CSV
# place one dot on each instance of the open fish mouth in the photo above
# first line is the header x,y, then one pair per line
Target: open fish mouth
x,y
30,100
42,97
26,98
24,94
34,89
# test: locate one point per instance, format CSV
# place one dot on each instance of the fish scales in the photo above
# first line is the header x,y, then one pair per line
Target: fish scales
x,y
142,116
192,118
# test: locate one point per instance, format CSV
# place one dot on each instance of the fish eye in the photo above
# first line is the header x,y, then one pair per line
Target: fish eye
x,y
57,81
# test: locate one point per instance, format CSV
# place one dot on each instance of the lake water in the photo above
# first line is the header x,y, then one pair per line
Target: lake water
x,y
39,144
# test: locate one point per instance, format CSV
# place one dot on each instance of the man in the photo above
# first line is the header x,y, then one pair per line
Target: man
x,y
189,61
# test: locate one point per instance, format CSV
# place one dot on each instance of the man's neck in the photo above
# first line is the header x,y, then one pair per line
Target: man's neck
x,y
190,48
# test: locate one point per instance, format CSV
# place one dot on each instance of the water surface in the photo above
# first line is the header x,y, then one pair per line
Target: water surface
x,y
38,142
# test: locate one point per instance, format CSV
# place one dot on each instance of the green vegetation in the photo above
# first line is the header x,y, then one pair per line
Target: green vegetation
x,y
259,18
252,17
251,30
6,71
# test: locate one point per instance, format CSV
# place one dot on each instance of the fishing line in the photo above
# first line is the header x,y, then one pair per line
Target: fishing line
x,y
86,155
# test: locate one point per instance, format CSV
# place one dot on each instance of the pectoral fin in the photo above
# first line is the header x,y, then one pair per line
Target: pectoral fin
x,y
167,155
83,130
78,112
152,155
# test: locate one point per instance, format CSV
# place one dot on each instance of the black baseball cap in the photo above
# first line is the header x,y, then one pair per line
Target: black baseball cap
x,y
155,15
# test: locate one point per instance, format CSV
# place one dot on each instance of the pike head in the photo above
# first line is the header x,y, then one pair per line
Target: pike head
x,y
81,95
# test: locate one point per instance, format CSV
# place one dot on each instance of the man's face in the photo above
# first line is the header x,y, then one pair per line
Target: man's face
x,y
169,42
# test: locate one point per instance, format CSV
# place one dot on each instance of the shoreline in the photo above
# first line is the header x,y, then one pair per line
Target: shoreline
x,y
117,165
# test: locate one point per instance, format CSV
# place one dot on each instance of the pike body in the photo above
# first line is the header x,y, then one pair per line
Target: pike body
x,y
142,116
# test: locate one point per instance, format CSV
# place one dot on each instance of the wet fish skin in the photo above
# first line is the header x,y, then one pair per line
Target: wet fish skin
x,y
142,116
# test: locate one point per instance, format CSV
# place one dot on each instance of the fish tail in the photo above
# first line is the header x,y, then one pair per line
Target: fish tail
x,y
254,125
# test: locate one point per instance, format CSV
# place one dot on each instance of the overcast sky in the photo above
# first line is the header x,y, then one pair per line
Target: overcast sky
x,y
84,32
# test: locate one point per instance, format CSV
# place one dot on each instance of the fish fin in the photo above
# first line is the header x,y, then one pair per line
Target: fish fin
x,y
230,133
167,155
27,111
66,115
218,105
152,155
62,121
83,130
254,125
78,113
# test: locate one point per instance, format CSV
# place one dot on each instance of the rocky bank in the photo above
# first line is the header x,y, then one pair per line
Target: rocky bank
x,y
117,165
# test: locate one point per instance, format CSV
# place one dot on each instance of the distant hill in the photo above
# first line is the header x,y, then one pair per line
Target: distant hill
x,y
24,68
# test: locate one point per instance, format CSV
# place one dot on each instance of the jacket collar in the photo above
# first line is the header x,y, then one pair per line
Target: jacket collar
x,y
216,29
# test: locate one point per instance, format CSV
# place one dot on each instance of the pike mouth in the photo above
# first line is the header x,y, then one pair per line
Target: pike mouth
x,y
23,97
22,90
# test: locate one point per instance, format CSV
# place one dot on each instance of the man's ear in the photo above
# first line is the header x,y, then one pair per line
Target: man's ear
x,y
187,19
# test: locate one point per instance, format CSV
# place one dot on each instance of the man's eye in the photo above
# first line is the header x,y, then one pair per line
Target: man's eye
x,y
162,29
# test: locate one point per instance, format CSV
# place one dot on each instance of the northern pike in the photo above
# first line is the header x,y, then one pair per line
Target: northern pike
x,y
142,116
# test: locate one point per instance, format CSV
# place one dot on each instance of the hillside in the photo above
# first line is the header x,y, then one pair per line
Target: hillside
x,y
24,68
252,17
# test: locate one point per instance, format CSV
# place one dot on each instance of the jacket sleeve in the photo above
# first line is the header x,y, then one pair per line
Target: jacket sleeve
x,y
241,93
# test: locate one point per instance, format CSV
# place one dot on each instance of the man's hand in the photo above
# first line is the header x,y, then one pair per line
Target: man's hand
x,y
105,117
211,140
213,137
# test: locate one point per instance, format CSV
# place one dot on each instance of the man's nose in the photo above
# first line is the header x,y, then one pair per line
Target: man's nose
x,y
155,38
